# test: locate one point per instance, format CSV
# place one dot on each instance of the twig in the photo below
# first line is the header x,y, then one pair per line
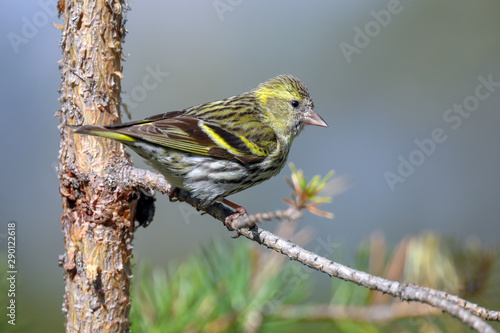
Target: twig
x,y
248,221
467,312
371,313
405,292
472,307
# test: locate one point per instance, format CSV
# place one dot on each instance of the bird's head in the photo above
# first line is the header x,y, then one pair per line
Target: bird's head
x,y
287,106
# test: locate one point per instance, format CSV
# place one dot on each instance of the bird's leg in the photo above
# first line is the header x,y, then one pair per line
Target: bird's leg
x,y
240,211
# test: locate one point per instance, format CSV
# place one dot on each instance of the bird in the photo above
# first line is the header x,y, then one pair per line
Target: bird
x,y
217,149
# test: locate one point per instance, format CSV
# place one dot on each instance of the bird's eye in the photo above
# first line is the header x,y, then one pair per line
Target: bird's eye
x,y
295,104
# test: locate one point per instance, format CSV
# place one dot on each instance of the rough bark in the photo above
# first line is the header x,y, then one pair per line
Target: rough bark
x,y
98,213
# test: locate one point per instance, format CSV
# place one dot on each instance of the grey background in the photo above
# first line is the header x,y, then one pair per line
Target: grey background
x,y
394,91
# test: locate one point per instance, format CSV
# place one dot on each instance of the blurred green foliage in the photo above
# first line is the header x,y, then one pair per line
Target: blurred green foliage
x,y
241,287
225,288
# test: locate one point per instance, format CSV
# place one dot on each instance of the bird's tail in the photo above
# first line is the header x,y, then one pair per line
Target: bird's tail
x,y
102,132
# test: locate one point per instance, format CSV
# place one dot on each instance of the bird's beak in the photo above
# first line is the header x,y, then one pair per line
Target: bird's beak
x,y
314,119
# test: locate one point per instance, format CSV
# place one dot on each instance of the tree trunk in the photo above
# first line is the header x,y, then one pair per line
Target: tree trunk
x,y
98,213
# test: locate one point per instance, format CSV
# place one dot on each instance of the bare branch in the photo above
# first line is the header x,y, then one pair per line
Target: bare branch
x,y
467,312
370,314
472,307
248,221
406,292
128,175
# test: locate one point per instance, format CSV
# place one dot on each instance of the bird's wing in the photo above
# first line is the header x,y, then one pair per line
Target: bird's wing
x,y
187,133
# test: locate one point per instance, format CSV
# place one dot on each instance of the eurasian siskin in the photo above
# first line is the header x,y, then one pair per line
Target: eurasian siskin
x,y
220,148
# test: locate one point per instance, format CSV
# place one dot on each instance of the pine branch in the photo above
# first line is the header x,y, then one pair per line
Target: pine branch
x,y
467,312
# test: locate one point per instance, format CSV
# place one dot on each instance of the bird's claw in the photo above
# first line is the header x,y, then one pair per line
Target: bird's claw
x,y
172,194
240,211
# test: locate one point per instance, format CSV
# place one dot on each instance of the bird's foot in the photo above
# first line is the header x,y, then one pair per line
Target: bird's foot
x,y
173,193
240,211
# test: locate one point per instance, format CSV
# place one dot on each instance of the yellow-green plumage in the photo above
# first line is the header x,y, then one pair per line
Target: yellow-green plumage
x,y
223,147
